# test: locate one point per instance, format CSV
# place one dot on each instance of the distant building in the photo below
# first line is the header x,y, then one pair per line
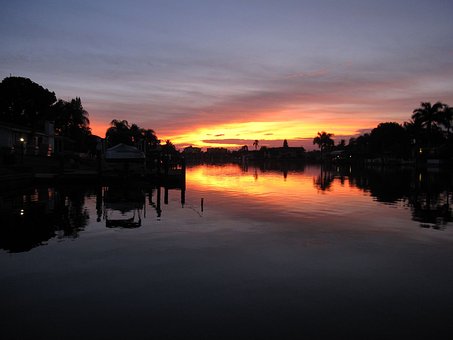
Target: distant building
x,y
284,153
216,151
192,153
191,150
217,154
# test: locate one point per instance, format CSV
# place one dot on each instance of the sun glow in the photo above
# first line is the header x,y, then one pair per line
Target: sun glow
x,y
233,135
98,128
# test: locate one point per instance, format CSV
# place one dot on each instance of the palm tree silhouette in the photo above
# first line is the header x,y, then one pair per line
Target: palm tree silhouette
x,y
70,117
118,132
446,118
428,116
324,141
255,144
150,138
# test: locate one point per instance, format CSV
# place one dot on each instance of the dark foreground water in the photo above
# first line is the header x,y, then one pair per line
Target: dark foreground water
x,y
241,253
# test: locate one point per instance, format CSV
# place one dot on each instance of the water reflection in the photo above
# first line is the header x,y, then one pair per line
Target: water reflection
x,y
427,192
431,200
254,253
272,166
129,202
32,217
325,179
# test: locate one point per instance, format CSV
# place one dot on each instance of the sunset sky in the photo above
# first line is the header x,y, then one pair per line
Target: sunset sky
x,y
224,73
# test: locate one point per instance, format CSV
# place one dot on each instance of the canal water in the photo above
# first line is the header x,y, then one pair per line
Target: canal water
x,y
241,252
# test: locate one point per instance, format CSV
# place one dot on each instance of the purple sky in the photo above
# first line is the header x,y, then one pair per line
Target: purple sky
x,y
176,66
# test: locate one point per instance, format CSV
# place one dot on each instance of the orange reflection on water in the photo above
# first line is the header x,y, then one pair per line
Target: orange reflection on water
x,y
298,191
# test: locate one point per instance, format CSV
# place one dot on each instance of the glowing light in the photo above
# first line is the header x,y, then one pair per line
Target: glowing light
x,y
256,183
99,128
233,135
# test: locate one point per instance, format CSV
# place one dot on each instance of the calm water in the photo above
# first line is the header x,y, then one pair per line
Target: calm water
x,y
241,253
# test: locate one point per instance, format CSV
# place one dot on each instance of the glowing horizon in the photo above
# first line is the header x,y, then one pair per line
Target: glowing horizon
x,y
234,135
271,133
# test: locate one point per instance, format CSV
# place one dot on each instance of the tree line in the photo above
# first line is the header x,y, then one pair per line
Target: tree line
x,y
428,134
120,131
27,104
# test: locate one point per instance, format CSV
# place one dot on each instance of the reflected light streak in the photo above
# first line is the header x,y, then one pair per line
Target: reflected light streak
x,y
270,188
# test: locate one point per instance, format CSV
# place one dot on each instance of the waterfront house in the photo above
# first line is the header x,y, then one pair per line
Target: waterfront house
x,y
23,140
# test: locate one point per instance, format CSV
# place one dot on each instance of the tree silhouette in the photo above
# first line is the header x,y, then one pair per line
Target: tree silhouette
x,y
118,132
341,144
428,116
390,139
150,138
121,132
360,146
136,133
168,149
285,143
415,134
71,120
143,138
446,118
24,102
324,141
413,128
28,104
256,143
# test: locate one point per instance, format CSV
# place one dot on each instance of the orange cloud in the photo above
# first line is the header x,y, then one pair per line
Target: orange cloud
x,y
232,135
